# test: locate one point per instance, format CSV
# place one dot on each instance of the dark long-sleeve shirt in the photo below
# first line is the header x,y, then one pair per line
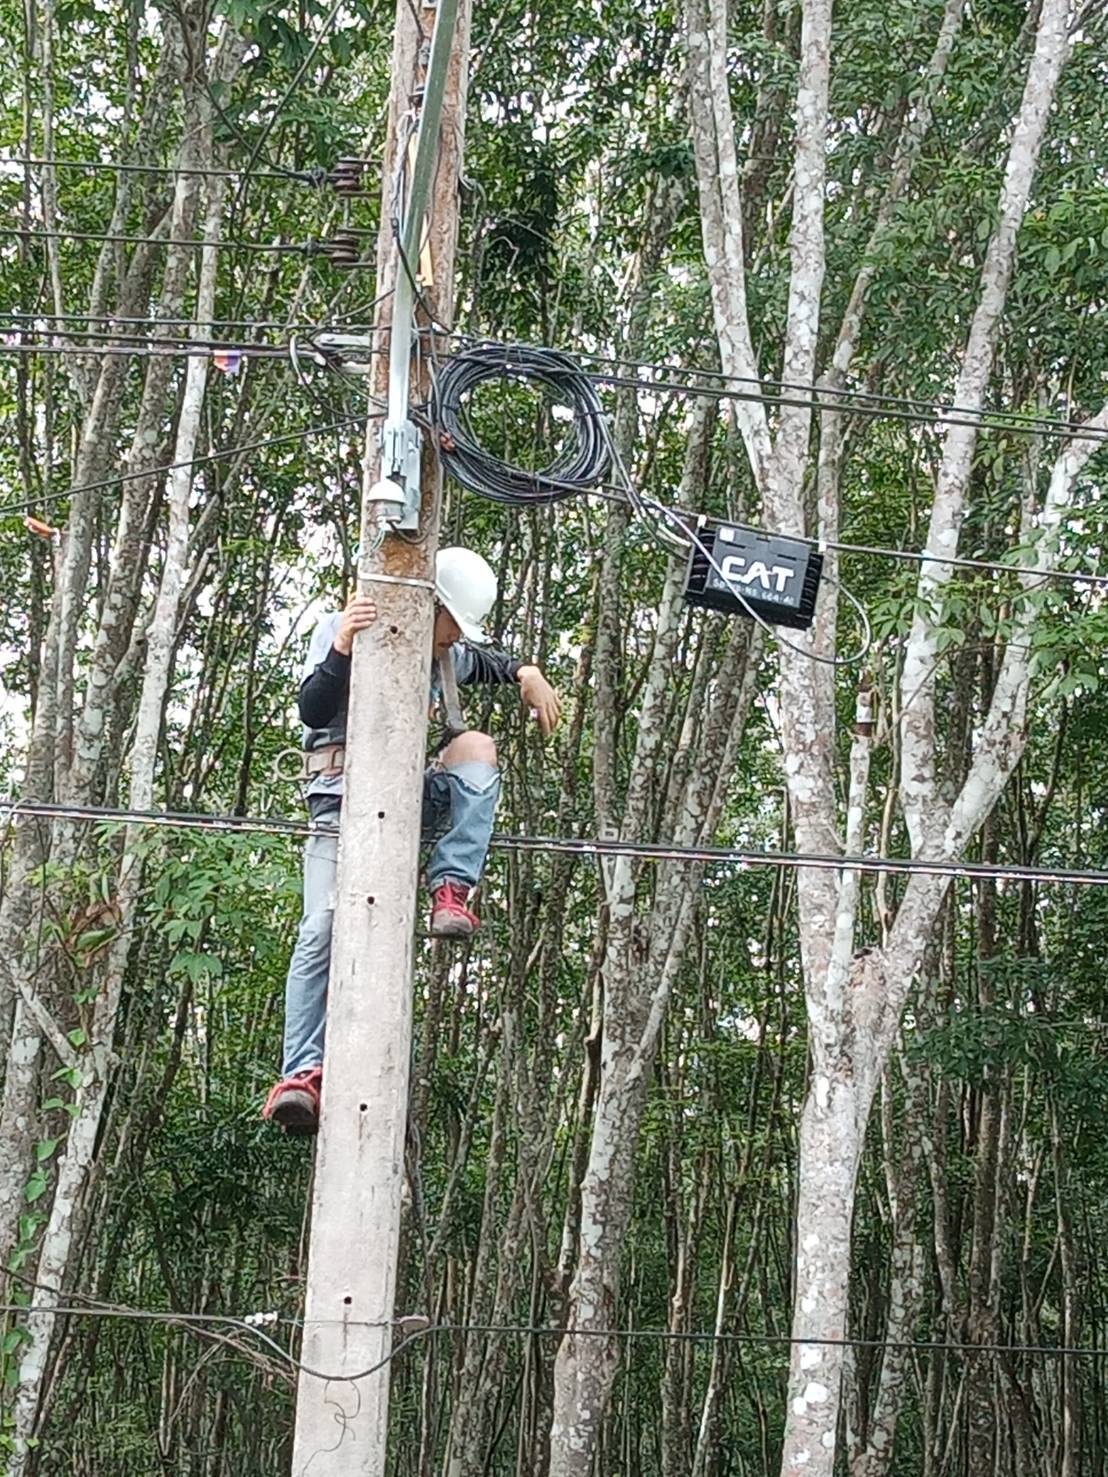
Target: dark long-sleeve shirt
x,y
325,690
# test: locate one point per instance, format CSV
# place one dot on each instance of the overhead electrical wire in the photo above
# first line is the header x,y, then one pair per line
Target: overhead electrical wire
x,y
314,177
765,389
487,475
26,318
577,468
536,1330
28,505
94,341
117,348
467,460
978,420
614,492
201,1322
743,857
983,420
134,339
838,400
307,248
844,400
303,176
248,173
997,566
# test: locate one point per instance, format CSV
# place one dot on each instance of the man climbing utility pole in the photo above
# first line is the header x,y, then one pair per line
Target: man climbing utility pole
x,y
341,1420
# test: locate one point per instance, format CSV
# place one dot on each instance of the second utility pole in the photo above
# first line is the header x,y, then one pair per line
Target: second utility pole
x,y
342,1420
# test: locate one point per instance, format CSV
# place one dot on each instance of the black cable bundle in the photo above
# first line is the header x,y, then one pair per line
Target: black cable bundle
x,y
576,469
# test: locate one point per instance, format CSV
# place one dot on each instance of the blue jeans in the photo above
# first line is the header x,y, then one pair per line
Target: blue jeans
x,y
459,808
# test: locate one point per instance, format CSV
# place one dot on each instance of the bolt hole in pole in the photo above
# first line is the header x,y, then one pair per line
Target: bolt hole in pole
x,y
348,1300
380,815
371,900
394,630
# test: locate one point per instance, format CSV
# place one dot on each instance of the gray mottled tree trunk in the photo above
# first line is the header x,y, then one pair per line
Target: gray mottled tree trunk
x,y
854,1000
94,1068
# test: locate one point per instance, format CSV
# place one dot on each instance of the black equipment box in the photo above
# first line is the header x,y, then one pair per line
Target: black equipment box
x,y
775,576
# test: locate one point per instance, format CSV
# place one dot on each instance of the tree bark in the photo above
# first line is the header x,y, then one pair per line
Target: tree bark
x,y
58,1244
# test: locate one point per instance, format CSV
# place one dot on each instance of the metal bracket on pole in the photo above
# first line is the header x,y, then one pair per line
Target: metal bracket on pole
x,y
401,442
353,352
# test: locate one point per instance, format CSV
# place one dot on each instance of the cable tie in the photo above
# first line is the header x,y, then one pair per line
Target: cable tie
x,y
397,579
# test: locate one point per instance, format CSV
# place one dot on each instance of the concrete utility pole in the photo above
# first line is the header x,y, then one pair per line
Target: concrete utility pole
x,y
342,1422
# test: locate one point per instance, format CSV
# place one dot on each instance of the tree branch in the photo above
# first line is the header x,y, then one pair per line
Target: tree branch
x,y
806,260
1004,732
718,181
924,815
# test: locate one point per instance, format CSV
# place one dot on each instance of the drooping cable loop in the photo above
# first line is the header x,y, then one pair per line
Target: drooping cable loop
x,y
579,464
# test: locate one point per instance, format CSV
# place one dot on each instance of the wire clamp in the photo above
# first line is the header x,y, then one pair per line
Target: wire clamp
x,y
353,352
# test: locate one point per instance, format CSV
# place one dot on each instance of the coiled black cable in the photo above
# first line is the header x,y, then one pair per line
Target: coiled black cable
x,y
579,465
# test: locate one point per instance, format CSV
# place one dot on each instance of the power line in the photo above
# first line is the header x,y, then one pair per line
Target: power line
x,y
116,346
679,1336
979,420
914,409
201,1321
614,492
116,318
994,565
182,344
479,471
578,846
925,407
302,176
984,420
30,504
583,460
818,397
139,339
150,346
815,396
248,173
538,1330
658,852
306,248
186,820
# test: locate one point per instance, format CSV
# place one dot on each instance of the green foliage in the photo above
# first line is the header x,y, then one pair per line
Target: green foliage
x,y
575,116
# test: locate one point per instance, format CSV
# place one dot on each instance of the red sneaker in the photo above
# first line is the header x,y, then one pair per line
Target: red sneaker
x,y
450,918
294,1102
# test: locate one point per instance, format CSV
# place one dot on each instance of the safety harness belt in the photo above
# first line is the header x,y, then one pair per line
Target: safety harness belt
x,y
455,722
328,759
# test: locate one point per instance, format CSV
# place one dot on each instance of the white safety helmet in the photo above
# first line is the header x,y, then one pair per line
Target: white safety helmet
x,y
466,585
